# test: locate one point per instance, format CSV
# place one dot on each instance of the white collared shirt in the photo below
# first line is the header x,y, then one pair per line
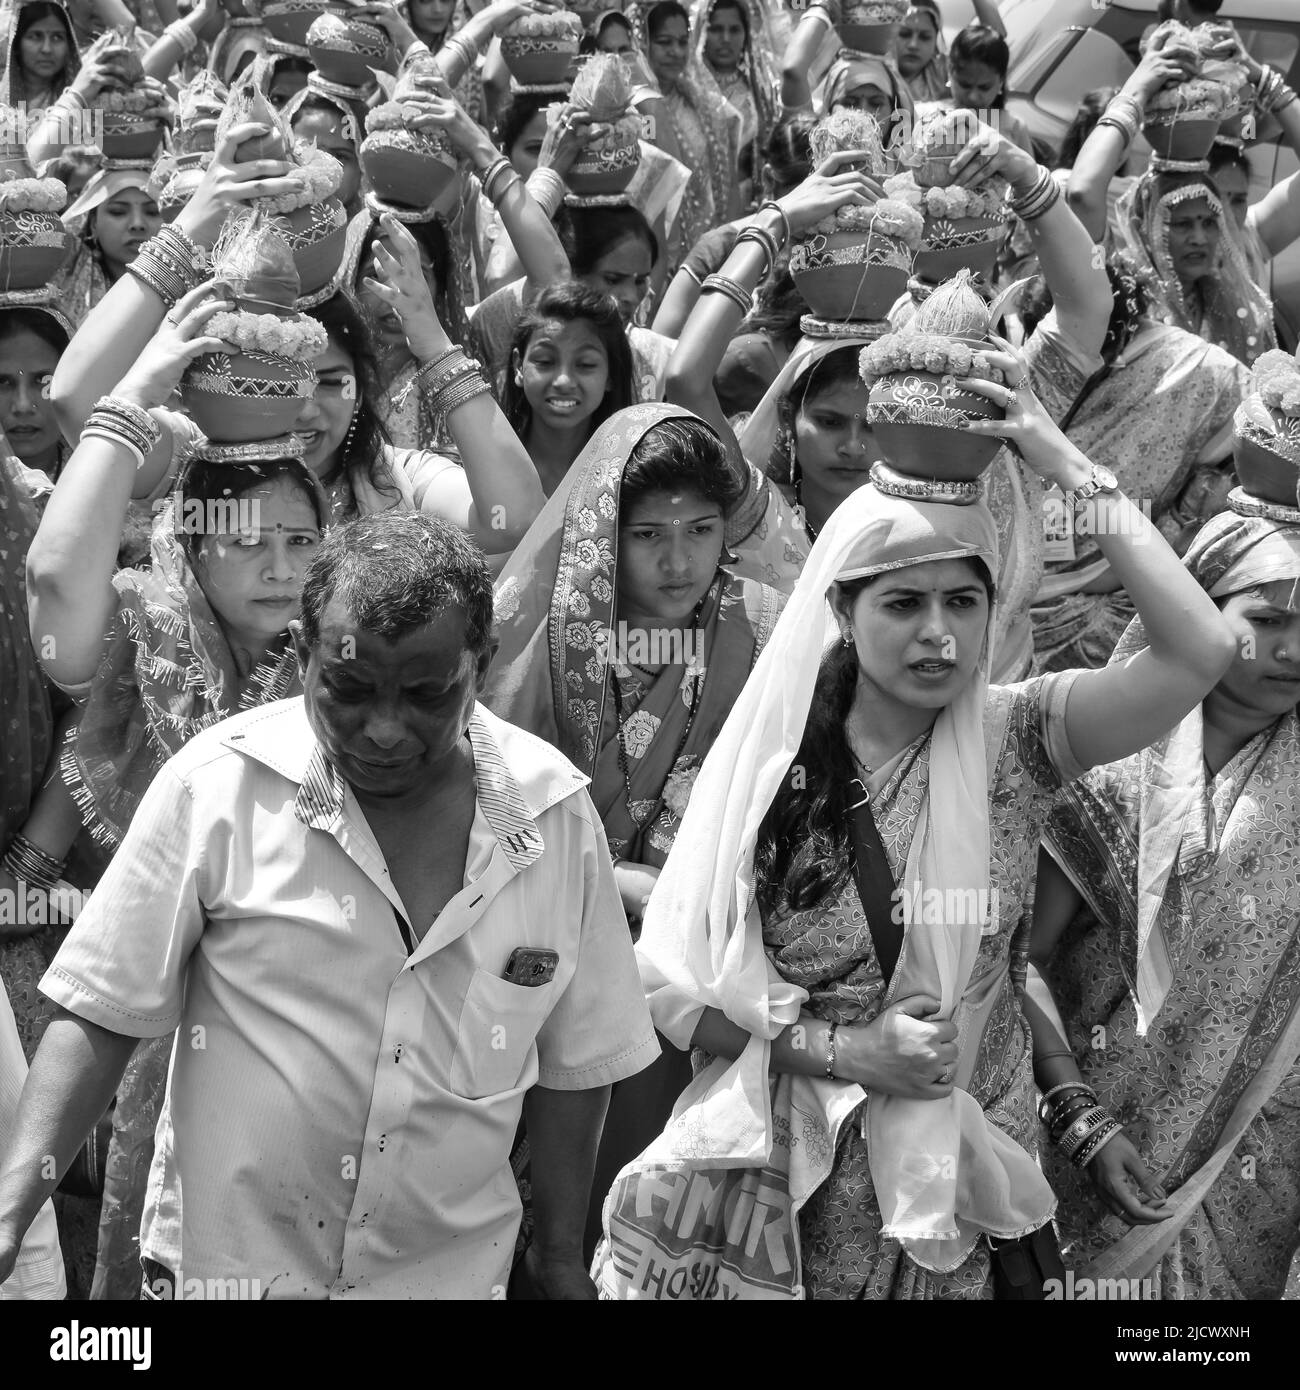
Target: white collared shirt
x,y
339,1114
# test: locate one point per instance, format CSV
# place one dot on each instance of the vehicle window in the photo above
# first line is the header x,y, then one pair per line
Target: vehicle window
x,y
1077,61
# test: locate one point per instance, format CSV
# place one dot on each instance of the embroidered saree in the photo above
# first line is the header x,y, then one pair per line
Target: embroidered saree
x,y
1185,967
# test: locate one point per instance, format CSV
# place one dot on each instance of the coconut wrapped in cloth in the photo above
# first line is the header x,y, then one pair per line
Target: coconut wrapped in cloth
x,y
963,227
917,409
310,218
608,162
200,105
34,243
256,390
1266,432
408,170
852,266
539,49
137,116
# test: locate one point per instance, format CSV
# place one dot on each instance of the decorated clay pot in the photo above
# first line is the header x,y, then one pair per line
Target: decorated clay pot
x,y
540,60
852,275
289,20
180,188
234,398
867,26
33,245
1262,470
406,167
950,244
1186,138
316,235
604,173
345,50
127,136
918,419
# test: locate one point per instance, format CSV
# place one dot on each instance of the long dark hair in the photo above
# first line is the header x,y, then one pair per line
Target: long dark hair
x,y
977,43
223,482
679,454
432,236
1091,109
802,854
588,233
367,454
837,368
568,303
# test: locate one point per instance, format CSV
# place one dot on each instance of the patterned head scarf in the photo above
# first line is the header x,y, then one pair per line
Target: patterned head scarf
x,y
12,87
1235,313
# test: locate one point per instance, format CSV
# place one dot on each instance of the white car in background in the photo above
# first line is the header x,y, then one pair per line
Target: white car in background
x,y
1063,48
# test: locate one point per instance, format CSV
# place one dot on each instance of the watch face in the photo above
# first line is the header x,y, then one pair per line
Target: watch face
x,y
1104,479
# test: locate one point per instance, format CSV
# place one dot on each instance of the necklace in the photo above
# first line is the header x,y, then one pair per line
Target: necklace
x,y
803,511
643,812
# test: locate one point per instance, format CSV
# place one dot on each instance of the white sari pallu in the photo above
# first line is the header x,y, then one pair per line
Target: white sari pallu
x,y
677,1223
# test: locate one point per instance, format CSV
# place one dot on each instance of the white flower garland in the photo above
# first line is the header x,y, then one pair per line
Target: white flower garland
x,y
33,195
317,176
887,217
1276,378
924,352
988,201
299,339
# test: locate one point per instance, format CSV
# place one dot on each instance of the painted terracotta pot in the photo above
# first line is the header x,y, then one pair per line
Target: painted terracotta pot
x,y
289,20
1265,470
950,244
919,420
543,60
604,173
234,398
851,275
316,235
345,50
33,245
128,136
406,167
867,26
1189,137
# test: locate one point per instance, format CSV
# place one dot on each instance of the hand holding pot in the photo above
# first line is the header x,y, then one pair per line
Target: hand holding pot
x,y
180,338
105,71
566,139
227,184
1158,68
448,116
989,154
1028,428
389,19
834,184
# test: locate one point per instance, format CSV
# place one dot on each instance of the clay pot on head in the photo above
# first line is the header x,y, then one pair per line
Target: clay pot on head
x,y
289,20
950,244
867,26
234,398
541,61
345,50
128,136
33,245
180,188
316,235
1262,470
604,173
851,275
1188,138
918,420
406,167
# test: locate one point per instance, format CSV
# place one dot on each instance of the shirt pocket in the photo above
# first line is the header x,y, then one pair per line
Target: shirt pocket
x,y
499,1022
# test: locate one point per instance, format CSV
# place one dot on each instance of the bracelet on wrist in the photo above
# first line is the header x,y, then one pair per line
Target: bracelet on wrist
x,y
28,863
737,293
830,1052
124,423
183,34
764,239
771,205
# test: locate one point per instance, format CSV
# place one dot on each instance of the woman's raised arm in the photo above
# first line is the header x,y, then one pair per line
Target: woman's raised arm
x,y
118,327
1120,709
497,495
73,556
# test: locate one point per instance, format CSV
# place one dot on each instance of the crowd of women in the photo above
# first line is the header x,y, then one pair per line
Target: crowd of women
x,y
790,677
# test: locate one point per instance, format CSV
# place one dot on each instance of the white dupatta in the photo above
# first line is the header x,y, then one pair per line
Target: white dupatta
x,y
942,1173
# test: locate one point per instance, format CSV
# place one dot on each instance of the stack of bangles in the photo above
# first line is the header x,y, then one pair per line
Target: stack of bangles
x,y
451,379
1124,113
492,179
1273,94
1040,198
28,863
183,35
169,264
771,248
547,189
463,45
125,423
1077,1124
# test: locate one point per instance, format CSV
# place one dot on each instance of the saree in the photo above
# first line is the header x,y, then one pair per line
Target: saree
x,y
1164,409
1226,308
565,672
13,90
1186,957
944,1173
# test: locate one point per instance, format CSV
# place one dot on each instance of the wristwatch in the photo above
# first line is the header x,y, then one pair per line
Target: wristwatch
x,y
1100,480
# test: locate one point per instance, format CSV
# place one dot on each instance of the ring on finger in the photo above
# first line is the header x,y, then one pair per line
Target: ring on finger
x,y
1012,399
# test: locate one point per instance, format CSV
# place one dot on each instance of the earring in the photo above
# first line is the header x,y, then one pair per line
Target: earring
x,y
351,434
848,636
